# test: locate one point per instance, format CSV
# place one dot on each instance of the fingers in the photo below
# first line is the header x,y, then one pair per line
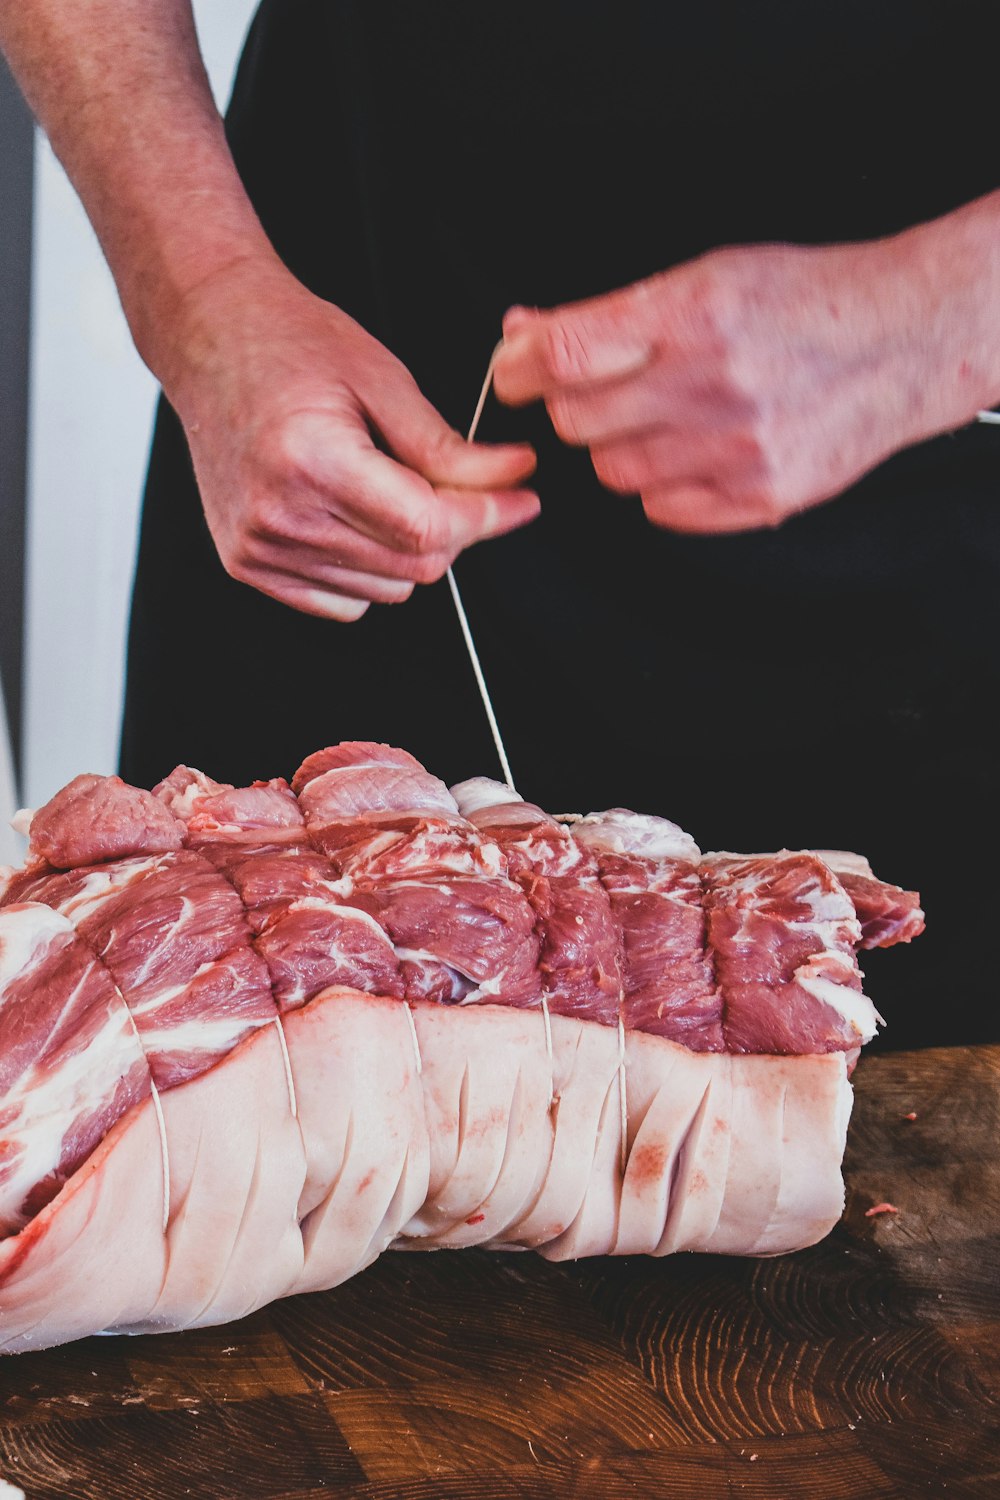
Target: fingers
x,y
309,568
592,341
323,603
700,508
334,525
422,440
387,501
666,392
669,455
317,546
395,506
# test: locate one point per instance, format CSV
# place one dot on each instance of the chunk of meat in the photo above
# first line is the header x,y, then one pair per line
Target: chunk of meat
x,y
461,929
184,787
307,937
361,782
888,914
70,1061
173,935
784,934
351,753
580,940
649,868
98,818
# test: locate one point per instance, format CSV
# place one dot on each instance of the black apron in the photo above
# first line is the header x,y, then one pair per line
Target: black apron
x,y
829,684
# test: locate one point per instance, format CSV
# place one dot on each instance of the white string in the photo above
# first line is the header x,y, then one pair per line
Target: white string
x,y
622,1094
547,1021
463,618
413,1037
289,1080
992,417
161,1126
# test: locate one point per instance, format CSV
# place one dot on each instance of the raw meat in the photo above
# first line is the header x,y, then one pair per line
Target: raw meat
x,y
252,1037
580,943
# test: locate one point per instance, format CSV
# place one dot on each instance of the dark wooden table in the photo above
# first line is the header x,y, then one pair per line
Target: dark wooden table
x,y
867,1367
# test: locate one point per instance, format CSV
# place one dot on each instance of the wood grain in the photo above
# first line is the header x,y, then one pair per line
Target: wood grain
x,y
868,1365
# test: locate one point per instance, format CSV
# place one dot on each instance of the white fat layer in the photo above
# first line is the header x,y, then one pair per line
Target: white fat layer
x,y
161,997
480,792
107,881
855,1008
212,1035
842,862
619,831
48,1100
181,804
493,986
25,933
22,820
826,905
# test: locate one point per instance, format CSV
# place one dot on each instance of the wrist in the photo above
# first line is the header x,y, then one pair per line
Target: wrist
x,y
176,302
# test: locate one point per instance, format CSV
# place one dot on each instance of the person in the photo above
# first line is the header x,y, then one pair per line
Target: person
x,y
746,262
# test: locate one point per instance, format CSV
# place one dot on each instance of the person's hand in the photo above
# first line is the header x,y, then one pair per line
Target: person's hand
x,y
328,481
752,383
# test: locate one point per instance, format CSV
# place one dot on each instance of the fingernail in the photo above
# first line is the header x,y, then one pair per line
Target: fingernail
x,y
610,359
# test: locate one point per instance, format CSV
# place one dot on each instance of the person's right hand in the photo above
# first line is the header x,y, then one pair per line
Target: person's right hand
x,y
328,481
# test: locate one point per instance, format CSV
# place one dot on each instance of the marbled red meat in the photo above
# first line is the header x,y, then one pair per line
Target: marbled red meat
x,y
97,818
319,907
785,936
307,937
173,935
70,1061
460,927
579,940
888,914
650,870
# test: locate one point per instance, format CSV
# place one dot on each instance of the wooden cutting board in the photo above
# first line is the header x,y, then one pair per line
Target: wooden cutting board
x,y
868,1366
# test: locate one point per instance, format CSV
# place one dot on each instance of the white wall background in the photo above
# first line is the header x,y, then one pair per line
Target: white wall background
x,y
10,852
91,411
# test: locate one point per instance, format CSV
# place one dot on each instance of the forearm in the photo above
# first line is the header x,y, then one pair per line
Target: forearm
x,y
120,89
951,278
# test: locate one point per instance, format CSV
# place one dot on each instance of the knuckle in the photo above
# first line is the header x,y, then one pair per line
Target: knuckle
x,y
565,354
238,564
719,304
419,531
749,449
266,517
429,568
285,447
440,448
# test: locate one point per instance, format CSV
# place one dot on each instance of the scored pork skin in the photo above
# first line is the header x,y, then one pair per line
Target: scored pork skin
x,y
729,1153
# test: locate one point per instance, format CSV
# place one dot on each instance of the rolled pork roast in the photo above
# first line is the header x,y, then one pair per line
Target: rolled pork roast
x,y
251,1037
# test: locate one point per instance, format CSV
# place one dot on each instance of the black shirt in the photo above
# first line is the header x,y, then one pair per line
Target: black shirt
x,y
827,684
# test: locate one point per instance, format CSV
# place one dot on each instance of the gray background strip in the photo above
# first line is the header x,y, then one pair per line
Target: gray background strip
x,y
16,171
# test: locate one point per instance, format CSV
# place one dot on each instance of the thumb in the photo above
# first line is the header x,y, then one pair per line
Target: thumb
x,y
418,436
583,343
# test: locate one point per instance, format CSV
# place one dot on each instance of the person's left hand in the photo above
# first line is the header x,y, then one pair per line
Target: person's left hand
x,y
752,383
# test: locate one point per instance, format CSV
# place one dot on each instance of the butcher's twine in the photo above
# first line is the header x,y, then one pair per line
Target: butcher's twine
x,y
463,618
